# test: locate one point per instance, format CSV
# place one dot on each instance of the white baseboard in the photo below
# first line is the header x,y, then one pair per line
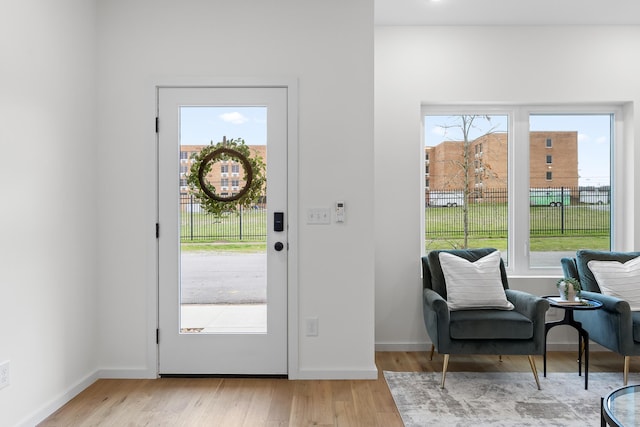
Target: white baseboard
x,y
427,347
395,346
574,347
58,402
128,374
312,374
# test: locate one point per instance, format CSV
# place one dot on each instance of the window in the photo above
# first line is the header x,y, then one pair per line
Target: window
x,y
567,219
466,199
235,168
475,195
224,168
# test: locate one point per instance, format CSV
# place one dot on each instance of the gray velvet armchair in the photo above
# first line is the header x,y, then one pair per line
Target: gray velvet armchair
x,y
481,331
614,326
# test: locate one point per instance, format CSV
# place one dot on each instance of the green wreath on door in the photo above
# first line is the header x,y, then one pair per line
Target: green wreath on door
x,y
208,196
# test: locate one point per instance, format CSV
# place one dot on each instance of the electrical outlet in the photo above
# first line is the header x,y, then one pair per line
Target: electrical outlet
x,y
4,374
312,327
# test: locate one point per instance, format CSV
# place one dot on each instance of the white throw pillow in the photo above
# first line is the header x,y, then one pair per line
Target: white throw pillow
x,y
619,280
474,285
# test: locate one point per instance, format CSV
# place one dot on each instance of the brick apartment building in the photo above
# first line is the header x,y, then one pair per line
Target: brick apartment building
x,y
553,163
226,176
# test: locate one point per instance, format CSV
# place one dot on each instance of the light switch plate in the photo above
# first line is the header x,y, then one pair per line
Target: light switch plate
x,y
318,216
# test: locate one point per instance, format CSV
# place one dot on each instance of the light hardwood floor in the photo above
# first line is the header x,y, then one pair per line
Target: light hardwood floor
x,y
280,402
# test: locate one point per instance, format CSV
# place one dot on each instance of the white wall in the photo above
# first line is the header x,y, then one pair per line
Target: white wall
x,y
328,47
415,65
48,218
53,330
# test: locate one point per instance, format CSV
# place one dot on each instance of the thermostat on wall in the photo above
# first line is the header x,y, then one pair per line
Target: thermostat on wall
x,y
339,211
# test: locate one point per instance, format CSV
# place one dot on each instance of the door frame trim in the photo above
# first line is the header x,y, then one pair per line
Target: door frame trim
x,y
153,318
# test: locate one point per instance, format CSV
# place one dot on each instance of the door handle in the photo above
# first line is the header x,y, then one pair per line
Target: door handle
x,y
278,246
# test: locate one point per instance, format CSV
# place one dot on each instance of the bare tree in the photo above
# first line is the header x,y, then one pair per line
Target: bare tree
x,y
466,125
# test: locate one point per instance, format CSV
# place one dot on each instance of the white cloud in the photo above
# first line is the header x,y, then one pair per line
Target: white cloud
x,y
439,130
235,118
583,137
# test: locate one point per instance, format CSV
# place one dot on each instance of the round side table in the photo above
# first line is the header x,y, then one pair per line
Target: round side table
x,y
583,335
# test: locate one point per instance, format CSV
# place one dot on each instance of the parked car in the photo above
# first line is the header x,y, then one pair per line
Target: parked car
x,y
445,198
594,197
549,196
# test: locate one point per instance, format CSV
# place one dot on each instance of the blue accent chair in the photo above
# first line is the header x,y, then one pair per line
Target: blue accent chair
x,y
487,331
614,326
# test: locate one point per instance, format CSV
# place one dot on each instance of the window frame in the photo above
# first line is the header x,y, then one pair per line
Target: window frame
x,y
518,183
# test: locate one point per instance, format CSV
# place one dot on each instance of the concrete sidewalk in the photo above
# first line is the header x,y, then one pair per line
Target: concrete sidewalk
x,y
224,318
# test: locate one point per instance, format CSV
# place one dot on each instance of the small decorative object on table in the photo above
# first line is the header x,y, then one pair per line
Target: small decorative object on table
x,y
569,289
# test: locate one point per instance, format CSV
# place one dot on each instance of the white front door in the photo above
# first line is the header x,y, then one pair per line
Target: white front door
x,y
222,278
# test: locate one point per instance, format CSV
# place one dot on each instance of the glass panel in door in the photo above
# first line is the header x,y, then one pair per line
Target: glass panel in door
x,y
223,280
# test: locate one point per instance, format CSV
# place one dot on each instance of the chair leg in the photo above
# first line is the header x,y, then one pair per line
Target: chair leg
x,y
499,358
444,369
626,369
535,371
433,348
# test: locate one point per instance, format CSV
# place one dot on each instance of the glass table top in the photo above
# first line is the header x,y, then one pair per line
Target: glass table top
x,y
622,406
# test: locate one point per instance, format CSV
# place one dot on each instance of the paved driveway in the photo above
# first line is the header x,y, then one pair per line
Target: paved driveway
x,y
223,278
236,278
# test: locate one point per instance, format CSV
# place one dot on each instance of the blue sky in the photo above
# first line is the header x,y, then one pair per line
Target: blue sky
x,y
594,141
201,125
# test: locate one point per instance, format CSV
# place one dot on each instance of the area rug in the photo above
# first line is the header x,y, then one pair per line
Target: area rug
x,y
500,398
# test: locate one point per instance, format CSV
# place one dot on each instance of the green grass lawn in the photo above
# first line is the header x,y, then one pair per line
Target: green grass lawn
x,y
537,244
243,247
552,228
250,224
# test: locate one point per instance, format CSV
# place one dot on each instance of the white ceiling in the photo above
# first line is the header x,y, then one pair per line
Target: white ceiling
x,y
507,12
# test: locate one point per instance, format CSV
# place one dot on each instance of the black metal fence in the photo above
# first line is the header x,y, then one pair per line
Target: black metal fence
x,y
575,211
246,224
